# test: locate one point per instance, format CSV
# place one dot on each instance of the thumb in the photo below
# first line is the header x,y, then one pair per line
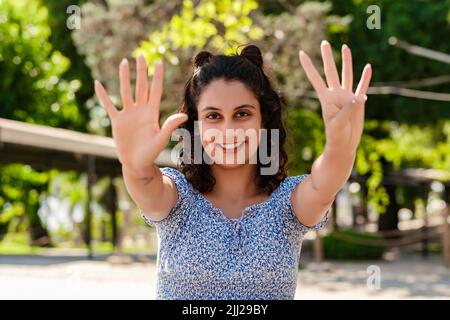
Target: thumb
x,y
354,106
171,123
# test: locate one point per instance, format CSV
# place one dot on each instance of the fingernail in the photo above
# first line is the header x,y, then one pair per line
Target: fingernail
x,y
124,60
344,46
369,65
302,52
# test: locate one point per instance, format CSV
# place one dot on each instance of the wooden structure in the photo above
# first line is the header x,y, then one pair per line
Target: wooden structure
x,y
45,148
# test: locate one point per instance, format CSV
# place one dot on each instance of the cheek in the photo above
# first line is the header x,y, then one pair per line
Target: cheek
x,y
254,132
208,134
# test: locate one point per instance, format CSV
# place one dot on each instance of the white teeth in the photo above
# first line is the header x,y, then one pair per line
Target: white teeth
x,y
230,146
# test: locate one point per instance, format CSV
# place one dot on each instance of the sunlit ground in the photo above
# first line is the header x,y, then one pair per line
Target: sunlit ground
x,y
59,277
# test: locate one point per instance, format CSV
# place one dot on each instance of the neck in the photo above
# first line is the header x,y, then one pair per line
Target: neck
x,y
237,184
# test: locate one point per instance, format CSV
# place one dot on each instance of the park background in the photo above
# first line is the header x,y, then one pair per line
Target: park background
x,y
68,229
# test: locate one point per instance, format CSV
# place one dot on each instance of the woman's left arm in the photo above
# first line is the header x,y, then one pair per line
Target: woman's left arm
x,y
343,116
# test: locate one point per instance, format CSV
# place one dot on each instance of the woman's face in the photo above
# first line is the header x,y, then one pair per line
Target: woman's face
x,y
229,123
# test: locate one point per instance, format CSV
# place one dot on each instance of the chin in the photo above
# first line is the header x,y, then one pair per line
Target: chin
x,y
230,166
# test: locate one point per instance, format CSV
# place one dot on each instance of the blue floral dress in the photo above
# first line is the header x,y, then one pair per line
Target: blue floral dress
x,y
204,255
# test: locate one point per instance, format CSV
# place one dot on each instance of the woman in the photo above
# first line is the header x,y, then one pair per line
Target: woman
x,y
225,229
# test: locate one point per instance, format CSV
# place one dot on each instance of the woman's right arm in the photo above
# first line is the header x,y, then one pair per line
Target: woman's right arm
x,y
139,138
154,193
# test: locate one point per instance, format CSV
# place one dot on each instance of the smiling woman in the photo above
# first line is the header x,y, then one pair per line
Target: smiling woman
x,y
232,100
227,230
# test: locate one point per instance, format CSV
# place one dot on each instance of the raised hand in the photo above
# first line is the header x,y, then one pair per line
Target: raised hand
x,y
342,109
136,131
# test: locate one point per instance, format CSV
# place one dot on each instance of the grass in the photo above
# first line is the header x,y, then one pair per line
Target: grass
x,y
17,244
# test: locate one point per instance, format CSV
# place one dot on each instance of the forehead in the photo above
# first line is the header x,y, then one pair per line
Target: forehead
x,y
226,94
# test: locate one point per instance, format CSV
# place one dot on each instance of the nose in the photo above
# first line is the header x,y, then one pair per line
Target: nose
x,y
229,132
230,136
233,135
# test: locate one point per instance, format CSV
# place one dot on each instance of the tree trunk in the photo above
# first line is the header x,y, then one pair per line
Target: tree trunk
x,y
39,235
389,219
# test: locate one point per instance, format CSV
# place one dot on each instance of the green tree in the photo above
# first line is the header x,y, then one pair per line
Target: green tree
x,y
421,22
400,132
31,90
61,40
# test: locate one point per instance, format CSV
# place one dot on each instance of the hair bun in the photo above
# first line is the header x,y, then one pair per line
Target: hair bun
x,y
201,58
252,53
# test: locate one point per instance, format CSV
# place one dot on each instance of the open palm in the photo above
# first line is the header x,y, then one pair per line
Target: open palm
x,y
342,109
136,131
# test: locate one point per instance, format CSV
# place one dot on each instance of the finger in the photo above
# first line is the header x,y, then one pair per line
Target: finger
x,y
363,85
141,81
329,65
345,113
357,116
171,123
347,68
104,99
156,91
353,111
125,86
312,74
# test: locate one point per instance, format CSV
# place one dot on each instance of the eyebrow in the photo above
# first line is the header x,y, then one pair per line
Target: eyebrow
x,y
238,107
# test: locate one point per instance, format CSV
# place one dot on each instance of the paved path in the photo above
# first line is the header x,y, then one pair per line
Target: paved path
x,y
29,277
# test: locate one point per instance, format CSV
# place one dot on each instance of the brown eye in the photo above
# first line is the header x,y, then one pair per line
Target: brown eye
x,y
213,116
242,114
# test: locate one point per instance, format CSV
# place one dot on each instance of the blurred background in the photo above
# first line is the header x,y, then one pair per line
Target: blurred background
x,y
68,229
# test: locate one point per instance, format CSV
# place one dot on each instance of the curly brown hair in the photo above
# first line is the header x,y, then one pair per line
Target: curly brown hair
x,y
246,67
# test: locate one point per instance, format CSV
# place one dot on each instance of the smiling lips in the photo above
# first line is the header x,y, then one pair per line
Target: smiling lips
x,y
230,147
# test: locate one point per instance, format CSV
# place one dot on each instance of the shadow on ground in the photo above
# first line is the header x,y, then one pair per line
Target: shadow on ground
x,y
43,259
